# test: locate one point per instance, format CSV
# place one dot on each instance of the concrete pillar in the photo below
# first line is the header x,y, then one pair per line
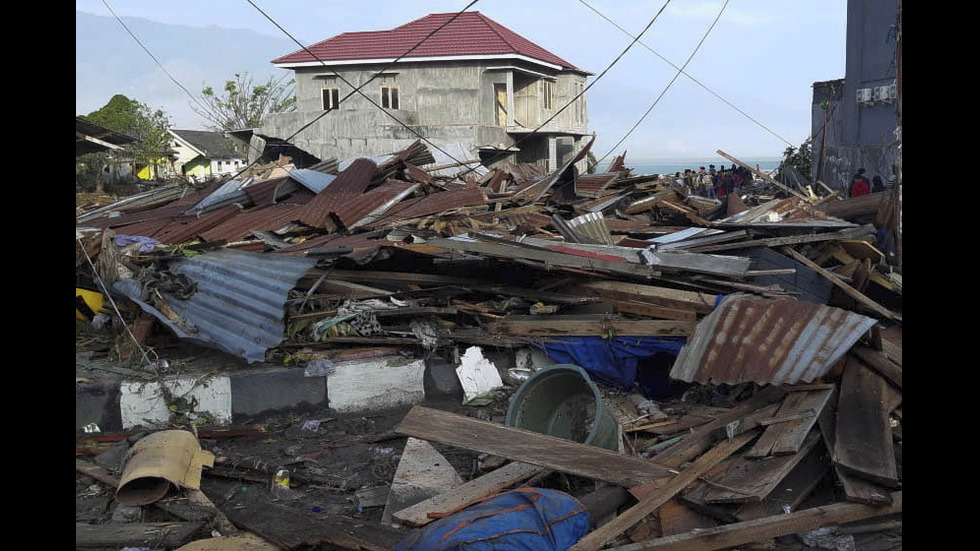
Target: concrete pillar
x,y
552,153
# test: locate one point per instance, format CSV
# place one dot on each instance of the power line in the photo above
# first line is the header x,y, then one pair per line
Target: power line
x,y
584,90
696,81
669,84
357,90
153,57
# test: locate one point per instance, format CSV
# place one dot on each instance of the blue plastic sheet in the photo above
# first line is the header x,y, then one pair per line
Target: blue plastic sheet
x,y
527,519
612,361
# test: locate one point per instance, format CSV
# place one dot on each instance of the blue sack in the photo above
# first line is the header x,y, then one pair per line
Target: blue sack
x,y
525,519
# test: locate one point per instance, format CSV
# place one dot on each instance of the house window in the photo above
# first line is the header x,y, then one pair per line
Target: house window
x,y
331,98
546,90
389,97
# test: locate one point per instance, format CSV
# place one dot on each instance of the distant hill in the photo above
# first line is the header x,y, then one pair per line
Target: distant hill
x,y
108,61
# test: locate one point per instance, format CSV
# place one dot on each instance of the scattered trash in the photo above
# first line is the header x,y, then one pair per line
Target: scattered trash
x,y
478,376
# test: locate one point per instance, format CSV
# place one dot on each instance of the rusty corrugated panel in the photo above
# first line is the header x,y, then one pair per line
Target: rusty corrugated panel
x,y
768,341
432,204
362,247
589,185
148,228
789,212
270,218
618,225
170,210
348,185
366,208
264,193
186,229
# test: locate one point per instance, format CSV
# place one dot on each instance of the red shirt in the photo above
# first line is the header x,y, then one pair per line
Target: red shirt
x,y
859,188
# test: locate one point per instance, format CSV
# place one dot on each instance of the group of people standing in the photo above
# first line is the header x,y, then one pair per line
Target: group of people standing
x,y
861,186
714,183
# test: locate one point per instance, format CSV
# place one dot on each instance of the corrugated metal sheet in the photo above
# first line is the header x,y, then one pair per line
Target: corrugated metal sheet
x,y
592,226
311,179
239,303
142,214
432,204
589,185
348,185
227,193
366,208
188,228
270,218
766,341
265,192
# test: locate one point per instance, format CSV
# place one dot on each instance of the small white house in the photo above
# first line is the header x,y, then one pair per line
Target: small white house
x,y
202,154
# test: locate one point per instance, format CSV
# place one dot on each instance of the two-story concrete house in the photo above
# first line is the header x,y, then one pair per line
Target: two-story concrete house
x,y
474,88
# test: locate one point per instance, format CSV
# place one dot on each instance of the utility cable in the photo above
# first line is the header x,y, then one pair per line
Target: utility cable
x,y
669,84
584,90
696,81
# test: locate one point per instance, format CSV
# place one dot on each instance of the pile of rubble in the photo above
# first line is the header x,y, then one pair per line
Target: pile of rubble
x,y
748,349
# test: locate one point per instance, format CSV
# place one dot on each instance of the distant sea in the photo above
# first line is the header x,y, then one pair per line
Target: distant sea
x,y
670,166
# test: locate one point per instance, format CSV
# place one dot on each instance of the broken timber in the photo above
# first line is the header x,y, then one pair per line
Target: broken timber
x,y
529,447
787,437
848,290
596,539
864,446
740,533
445,503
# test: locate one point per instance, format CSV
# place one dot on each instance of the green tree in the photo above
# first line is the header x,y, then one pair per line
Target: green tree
x,y
135,119
800,159
243,104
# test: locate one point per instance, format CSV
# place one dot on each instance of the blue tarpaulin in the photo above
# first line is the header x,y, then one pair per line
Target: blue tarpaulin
x,y
611,361
529,519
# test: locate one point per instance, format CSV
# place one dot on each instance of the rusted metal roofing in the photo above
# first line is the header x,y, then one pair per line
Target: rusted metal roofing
x,y
432,204
368,207
187,228
768,341
589,185
348,185
265,193
172,209
268,218
239,305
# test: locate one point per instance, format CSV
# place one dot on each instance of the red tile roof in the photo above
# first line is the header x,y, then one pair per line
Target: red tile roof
x,y
472,33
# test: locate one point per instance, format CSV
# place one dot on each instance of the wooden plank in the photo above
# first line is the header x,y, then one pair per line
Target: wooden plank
x,y
751,480
445,503
702,303
644,309
856,489
135,534
848,290
292,528
758,401
676,518
864,444
792,440
791,405
740,533
560,326
790,240
790,493
529,447
880,363
596,539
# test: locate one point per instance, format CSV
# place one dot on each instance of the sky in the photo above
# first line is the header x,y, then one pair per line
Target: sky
x,y
747,90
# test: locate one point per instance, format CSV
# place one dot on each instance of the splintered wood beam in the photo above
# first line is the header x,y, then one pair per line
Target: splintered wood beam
x,y
597,538
848,290
880,363
529,447
864,446
740,533
445,503
764,176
